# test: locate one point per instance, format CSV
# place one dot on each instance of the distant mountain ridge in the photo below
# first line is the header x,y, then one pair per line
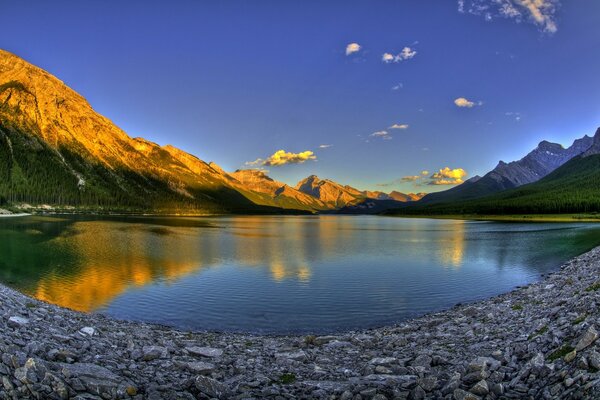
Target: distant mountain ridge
x,y
337,196
540,162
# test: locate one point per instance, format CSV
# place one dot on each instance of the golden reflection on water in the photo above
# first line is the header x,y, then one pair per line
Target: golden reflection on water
x,y
112,257
452,249
111,261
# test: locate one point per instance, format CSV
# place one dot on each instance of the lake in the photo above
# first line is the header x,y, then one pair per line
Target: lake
x,y
277,274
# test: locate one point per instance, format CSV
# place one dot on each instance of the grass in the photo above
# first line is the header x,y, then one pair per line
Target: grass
x,y
287,378
539,332
511,217
593,288
579,320
310,340
560,353
517,307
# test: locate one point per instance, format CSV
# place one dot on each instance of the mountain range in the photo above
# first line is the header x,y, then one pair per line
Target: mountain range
x,y
544,159
55,149
572,187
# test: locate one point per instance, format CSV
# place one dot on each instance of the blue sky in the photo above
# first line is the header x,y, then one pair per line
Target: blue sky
x,y
236,81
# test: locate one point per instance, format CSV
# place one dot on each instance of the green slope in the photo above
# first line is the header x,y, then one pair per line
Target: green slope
x,y
572,188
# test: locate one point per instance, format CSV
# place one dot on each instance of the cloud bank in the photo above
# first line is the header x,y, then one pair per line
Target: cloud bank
x,y
542,13
447,176
407,53
281,157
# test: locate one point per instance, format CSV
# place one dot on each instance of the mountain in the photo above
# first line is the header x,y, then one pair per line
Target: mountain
x,y
573,187
544,159
55,149
332,194
270,192
402,197
595,147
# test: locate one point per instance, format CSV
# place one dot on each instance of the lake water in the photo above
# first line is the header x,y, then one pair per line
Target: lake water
x,y
277,274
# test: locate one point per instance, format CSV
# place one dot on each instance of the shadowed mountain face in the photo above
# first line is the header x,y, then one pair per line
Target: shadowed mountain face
x,y
544,159
571,188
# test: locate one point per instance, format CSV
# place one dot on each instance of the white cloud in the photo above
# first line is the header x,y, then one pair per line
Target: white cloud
x,y
352,48
281,157
464,103
540,12
325,146
385,135
387,58
407,53
399,126
398,86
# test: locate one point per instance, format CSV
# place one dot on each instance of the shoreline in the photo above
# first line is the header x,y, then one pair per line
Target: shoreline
x,y
536,341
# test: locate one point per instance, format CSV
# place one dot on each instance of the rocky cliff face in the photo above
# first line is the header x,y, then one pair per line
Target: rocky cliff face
x,y
595,147
405,197
329,192
276,193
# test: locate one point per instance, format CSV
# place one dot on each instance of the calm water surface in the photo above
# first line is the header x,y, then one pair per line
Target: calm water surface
x,y
277,274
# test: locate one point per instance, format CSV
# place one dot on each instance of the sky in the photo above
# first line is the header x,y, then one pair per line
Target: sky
x,y
406,95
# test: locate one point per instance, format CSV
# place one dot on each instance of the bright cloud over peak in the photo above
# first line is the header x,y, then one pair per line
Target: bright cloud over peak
x,y
352,48
447,176
281,157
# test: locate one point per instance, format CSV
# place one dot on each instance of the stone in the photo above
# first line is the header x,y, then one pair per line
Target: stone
x,y
211,387
200,367
299,355
150,353
570,356
87,331
422,360
460,394
481,388
386,361
17,322
208,352
95,379
589,337
594,360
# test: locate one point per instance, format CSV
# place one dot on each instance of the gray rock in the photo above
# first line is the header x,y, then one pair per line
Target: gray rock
x,y
208,352
150,353
87,331
481,388
589,337
17,322
211,387
460,394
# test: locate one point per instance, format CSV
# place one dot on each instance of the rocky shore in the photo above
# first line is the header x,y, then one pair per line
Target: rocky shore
x,y
537,342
